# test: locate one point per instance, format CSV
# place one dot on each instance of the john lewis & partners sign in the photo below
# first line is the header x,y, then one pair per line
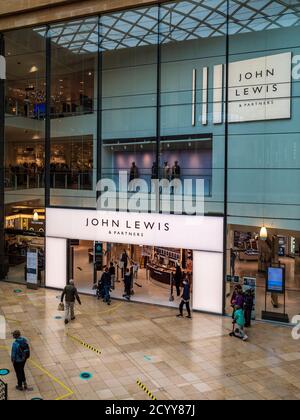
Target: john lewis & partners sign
x,y
189,232
260,88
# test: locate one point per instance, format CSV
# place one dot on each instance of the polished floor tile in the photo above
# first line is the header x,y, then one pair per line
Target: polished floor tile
x,y
174,358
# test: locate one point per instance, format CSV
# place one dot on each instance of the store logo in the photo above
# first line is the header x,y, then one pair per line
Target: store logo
x,y
2,67
161,196
2,328
259,89
296,329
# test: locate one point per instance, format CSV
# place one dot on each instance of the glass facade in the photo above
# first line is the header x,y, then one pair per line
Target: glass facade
x,y
181,90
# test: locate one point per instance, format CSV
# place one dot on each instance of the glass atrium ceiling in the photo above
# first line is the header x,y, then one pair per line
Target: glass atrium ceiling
x,y
179,21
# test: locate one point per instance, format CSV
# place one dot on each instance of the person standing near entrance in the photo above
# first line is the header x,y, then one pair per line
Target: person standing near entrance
x,y
232,262
128,284
112,272
70,294
248,307
178,279
20,353
186,296
106,284
124,261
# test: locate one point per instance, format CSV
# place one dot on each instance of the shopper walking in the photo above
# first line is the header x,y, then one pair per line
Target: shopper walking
x,y
178,279
186,296
237,298
232,262
248,307
128,284
112,272
124,261
20,353
70,294
239,324
106,284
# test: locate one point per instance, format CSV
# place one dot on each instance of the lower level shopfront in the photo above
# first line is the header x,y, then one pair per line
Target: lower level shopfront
x,y
47,249
80,243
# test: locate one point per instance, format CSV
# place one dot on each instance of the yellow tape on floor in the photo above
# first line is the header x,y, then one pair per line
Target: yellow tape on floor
x,y
146,390
112,309
47,373
13,320
69,391
87,346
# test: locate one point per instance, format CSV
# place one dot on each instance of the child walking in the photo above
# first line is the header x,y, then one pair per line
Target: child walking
x,y
239,324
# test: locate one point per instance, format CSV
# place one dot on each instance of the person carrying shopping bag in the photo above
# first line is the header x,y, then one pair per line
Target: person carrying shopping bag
x,y
70,294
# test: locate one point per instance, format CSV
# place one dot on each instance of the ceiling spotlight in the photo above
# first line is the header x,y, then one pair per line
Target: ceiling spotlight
x,y
33,69
263,233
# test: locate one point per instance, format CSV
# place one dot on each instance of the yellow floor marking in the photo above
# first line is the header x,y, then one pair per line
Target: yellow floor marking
x,y
146,390
13,320
40,368
69,391
87,346
114,308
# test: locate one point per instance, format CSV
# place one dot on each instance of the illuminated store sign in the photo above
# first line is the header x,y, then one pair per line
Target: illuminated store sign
x,y
259,90
197,233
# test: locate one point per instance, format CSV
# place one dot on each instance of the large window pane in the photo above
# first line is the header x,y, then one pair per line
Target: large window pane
x,y
129,87
264,149
74,76
193,51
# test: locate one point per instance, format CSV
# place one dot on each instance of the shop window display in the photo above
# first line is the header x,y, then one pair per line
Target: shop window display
x,y
250,257
156,273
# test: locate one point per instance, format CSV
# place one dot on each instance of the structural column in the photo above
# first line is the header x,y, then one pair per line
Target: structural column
x,y
3,262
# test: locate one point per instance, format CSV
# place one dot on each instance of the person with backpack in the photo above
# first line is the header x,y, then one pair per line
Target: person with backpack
x,y
19,355
186,297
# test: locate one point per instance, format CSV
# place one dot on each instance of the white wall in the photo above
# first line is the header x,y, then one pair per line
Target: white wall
x,y
56,263
208,282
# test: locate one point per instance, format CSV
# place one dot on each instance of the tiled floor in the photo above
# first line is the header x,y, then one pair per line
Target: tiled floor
x,y
174,358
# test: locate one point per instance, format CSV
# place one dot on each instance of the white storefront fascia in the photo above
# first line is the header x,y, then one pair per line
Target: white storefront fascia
x,y
203,235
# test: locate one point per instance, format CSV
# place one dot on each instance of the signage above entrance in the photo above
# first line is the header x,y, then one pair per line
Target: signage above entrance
x,y
189,232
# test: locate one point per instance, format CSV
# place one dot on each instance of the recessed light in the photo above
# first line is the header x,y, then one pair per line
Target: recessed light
x,y
33,69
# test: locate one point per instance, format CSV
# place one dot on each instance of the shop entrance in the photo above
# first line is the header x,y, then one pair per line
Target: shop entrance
x,y
157,272
248,260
